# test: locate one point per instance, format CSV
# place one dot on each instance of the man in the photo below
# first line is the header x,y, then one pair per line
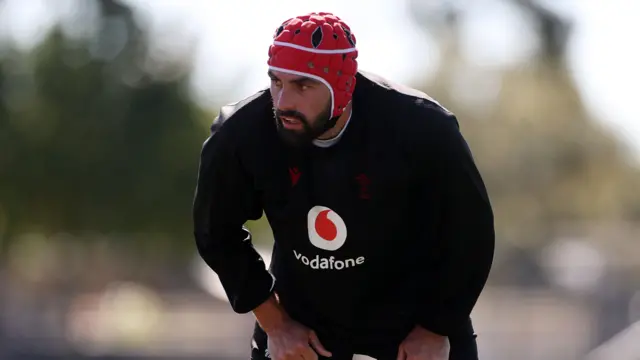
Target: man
x,y
383,229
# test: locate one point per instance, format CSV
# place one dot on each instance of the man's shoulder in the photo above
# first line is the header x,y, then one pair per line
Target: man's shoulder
x,y
241,116
413,115
393,91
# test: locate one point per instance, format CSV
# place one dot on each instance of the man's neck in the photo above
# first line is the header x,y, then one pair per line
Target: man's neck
x,y
342,121
332,141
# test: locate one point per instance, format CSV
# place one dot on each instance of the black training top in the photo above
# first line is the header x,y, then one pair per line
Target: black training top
x,y
388,228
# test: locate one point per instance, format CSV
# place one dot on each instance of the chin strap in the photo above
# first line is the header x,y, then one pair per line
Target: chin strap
x,y
329,124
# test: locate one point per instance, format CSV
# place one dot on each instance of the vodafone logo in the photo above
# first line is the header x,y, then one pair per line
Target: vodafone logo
x,y
327,231
326,228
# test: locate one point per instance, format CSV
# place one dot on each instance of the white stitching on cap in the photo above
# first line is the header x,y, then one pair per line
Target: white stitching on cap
x,y
315,77
315,51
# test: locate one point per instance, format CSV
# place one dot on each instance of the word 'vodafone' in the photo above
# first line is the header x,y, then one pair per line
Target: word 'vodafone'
x,y
328,263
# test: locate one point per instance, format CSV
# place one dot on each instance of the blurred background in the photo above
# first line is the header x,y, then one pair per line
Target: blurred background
x,y
104,106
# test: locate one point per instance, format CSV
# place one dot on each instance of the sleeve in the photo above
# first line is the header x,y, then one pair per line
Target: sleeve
x,y
224,200
466,237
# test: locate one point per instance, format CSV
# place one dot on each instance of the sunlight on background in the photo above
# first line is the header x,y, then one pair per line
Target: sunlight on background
x,y
233,36
603,64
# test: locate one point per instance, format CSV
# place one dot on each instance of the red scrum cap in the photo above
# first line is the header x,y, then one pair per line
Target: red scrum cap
x,y
319,46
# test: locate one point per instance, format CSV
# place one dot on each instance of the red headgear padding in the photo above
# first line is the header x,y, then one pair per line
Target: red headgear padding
x,y
320,46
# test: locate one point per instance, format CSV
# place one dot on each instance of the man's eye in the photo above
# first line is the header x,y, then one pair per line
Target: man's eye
x,y
276,82
304,87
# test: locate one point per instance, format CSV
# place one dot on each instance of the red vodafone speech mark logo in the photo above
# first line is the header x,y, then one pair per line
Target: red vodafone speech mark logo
x,y
327,230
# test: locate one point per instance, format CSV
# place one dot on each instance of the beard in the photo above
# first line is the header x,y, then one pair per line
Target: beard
x,y
311,129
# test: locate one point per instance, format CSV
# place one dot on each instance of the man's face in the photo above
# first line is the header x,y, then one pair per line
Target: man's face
x,y
302,107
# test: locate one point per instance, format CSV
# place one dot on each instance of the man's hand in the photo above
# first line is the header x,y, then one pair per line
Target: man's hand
x,y
287,338
292,340
422,344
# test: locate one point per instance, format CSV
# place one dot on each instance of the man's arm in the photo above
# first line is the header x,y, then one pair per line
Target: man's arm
x,y
466,237
224,201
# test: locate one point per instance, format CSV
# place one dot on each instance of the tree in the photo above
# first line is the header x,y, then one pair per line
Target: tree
x,y
546,162
99,141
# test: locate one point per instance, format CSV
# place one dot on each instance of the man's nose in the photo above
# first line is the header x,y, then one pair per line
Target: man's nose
x,y
285,100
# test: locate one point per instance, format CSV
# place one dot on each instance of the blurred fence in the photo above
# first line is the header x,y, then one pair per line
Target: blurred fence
x,y
137,320
123,324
